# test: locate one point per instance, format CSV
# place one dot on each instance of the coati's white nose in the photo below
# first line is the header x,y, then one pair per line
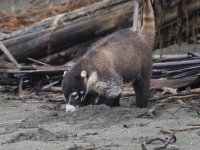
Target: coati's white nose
x,y
70,108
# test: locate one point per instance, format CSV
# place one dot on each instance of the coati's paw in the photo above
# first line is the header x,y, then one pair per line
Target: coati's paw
x,y
141,104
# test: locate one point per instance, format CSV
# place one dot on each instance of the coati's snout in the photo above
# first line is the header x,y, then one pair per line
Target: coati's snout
x,y
74,89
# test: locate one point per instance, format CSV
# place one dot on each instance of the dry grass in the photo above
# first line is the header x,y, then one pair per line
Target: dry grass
x,y
14,20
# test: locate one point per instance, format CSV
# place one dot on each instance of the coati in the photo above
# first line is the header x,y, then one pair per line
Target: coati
x,y
123,56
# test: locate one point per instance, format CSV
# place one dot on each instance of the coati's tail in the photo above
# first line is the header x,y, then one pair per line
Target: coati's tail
x,y
147,30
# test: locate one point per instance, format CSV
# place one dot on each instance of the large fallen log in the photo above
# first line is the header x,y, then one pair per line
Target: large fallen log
x,y
80,25
61,57
62,19
66,30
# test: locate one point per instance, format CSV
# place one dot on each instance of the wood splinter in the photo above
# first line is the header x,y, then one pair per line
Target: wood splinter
x,y
8,54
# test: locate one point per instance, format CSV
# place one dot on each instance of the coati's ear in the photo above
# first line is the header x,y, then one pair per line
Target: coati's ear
x,y
64,73
83,74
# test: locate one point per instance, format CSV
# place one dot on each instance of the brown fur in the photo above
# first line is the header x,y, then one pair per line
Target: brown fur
x,y
123,56
124,53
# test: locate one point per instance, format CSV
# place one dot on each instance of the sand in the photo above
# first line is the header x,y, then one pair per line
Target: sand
x,y
33,124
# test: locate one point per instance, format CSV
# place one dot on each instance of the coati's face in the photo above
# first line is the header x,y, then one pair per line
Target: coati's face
x,y
74,89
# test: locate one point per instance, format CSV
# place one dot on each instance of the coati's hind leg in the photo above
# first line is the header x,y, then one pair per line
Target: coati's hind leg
x,y
141,87
112,93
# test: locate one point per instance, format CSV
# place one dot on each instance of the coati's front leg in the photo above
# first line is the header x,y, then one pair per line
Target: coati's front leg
x,y
91,99
109,101
112,93
141,87
105,90
95,99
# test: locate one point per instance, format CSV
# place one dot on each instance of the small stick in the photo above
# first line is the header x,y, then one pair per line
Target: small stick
x,y
193,54
46,87
197,90
8,54
177,96
6,65
185,129
127,93
169,141
39,62
55,89
170,98
166,131
155,139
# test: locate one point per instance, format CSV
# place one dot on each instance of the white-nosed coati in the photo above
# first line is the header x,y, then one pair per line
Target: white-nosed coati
x,y
124,56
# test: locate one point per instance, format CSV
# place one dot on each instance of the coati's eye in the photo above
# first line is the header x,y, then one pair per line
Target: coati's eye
x,y
81,92
74,95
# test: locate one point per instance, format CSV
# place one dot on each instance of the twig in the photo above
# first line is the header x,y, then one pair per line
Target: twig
x,y
169,90
185,129
177,96
127,92
8,54
171,139
46,87
6,65
196,90
39,62
169,98
193,54
166,131
185,97
55,89
155,139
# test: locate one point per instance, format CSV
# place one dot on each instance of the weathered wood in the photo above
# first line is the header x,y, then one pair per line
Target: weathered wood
x,y
90,23
7,53
38,62
62,19
172,83
185,67
62,57
66,30
6,65
180,64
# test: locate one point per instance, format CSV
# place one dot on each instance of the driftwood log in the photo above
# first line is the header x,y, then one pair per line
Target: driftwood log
x,y
76,27
64,31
